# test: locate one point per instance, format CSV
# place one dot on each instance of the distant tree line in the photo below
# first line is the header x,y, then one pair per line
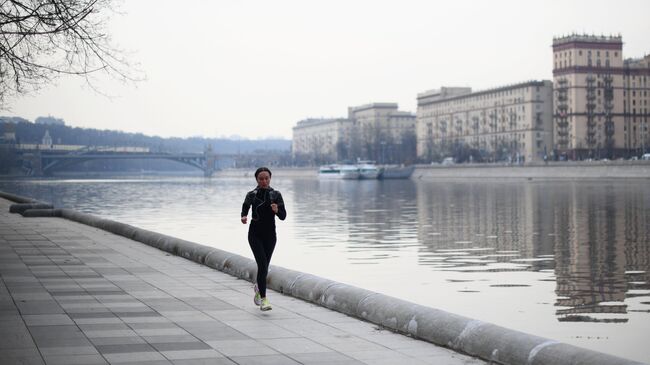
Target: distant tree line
x,y
33,133
242,153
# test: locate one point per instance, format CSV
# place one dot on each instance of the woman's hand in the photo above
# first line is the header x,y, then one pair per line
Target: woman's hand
x,y
274,208
244,219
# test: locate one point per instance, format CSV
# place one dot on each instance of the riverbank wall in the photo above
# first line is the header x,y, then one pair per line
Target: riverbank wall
x,y
477,338
551,171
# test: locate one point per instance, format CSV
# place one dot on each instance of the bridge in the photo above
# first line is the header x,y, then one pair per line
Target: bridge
x,y
40,160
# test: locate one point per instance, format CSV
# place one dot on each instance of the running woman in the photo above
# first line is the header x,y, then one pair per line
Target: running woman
x,y
266,203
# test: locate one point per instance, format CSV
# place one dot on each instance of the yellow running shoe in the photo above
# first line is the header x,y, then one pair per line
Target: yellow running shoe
x,y
265,306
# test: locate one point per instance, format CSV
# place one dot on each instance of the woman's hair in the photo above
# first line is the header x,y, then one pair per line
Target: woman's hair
x,y
262,169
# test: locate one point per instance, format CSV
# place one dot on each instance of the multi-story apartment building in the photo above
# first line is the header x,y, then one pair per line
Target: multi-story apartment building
x,y
377,131
636,99
383,133
510,122
600,100
321,140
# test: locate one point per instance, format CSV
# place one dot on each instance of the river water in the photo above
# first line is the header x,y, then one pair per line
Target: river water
x,y
567,260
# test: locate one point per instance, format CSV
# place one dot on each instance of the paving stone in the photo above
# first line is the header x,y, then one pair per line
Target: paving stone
x,y
69,350
192,354
39,307
47,319
261,330
325,358
56,332
170,339
124,348
133,357
151,325
233,348
264,360
98,320
212,361
103,327
29,355
147,319
101,341
177,346
294,345
110,333
161,332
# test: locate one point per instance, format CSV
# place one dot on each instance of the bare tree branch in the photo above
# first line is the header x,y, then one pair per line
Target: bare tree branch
x,y
42,39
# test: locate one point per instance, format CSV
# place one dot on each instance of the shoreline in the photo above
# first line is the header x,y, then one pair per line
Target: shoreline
x,y
552,171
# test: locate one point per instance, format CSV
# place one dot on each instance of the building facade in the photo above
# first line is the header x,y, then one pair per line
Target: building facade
x,y
377,131
601,101
383,133
506,123
320,140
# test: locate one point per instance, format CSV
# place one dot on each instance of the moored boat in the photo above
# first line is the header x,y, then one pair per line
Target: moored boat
x,y
368,170
336,171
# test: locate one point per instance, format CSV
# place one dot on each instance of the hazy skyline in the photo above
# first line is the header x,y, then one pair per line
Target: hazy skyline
x,y
255,68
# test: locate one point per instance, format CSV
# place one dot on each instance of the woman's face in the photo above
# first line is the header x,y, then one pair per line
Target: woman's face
x,y
263,179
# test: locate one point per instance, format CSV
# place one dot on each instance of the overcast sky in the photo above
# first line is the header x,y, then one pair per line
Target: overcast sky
x,y
255,68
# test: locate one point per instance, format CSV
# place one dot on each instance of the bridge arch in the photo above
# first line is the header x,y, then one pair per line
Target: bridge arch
x,y
47,163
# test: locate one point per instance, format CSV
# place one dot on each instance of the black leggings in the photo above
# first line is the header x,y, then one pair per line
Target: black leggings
x,y
262,246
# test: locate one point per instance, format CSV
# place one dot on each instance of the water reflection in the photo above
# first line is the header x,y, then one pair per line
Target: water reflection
x,y
601,252
593,235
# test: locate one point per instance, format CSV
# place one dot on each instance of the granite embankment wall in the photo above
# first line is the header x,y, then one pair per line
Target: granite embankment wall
x,y
554,170
481,339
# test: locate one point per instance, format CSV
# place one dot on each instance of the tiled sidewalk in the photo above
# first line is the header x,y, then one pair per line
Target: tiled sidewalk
x,y
73,294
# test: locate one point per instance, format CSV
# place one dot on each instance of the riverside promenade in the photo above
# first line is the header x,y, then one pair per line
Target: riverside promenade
x,y
74,294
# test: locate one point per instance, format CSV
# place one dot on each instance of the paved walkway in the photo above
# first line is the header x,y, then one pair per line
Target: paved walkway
x,y
73,294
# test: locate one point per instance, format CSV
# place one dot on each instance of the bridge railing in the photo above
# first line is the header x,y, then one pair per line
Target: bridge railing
x,y
80,148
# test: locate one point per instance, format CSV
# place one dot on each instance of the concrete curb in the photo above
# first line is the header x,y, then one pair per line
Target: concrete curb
x,y
484,340
17,198
21,208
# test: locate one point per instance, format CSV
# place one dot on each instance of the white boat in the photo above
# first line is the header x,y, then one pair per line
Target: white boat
x,y
368,170
335,171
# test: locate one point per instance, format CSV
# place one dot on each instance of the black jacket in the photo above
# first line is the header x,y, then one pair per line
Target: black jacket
x,y
260,201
